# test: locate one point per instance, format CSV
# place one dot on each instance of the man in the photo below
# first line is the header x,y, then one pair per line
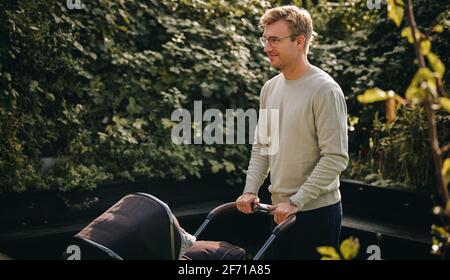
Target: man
x,y
313,141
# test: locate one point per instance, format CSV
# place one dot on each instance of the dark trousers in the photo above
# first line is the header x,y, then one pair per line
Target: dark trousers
x,y
318,227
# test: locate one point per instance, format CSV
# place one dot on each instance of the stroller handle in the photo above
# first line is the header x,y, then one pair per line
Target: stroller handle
x,y
285,224
262,208
279,228
223,209
226,208
231,207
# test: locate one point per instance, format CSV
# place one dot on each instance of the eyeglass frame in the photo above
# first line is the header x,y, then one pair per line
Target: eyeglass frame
x,y
264,41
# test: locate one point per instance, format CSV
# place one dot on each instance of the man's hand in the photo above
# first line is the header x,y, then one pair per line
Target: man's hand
x,y
246,203
282,211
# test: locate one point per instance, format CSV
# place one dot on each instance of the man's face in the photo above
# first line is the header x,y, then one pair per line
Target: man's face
x,y
284,52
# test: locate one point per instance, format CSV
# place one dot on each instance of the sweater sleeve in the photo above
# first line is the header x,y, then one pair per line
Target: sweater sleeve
x,y
258,168
330,117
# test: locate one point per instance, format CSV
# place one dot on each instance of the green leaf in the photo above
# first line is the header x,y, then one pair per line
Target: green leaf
x,y
423,80
133,107
119,121
78,46
138,123
122,28
423,73
425,47
438,28
445,103
14,93
328,253
49,96
215,166
395,11
349,248
446,169
374,95
124,16
206,90
167,123
407,33
436,64
34,86
7,77
438,230
229,166
93,55
415,94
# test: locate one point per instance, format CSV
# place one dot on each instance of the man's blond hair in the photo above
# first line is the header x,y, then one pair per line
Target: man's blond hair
x,y
298,19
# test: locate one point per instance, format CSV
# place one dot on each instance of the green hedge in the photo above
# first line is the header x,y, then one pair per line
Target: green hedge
x,y
95,87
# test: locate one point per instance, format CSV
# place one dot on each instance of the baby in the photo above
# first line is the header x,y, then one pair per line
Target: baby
x,y
187,239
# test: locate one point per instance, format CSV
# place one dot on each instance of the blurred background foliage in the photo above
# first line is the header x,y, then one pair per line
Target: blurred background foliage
x,y
94,89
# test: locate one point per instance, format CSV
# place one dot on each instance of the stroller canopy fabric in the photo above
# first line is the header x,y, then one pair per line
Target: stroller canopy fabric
x,y
139,226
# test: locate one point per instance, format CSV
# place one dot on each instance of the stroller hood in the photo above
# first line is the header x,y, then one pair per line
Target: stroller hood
x,y
139,226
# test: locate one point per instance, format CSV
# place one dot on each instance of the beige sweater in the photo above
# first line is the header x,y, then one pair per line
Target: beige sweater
x,y
313,142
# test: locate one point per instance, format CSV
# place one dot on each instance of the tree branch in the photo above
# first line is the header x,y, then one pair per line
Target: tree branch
x,y
431,116
445,149
412,23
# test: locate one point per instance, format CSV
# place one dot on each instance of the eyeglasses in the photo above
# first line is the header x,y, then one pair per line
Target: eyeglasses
x,y
272,41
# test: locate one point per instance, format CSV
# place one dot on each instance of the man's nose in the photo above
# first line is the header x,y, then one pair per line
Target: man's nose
x,y
267,48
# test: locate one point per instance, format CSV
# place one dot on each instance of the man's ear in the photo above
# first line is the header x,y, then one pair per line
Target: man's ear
x,y
301,41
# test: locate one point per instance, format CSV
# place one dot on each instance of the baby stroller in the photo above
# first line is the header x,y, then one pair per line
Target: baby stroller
x,y
140,226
